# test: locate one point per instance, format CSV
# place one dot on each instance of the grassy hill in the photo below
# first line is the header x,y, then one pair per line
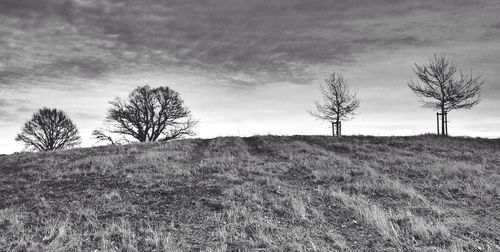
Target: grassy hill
x,y
261,193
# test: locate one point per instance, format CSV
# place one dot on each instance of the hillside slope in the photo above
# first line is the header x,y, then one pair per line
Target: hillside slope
x,y
265,193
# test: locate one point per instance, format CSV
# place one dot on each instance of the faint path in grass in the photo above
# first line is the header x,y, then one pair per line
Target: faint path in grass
x,y
199,152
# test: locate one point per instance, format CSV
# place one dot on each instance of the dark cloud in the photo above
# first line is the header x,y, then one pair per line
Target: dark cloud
x,y
495,26
37,9
391,42
23,6
9,75
85,67
277,40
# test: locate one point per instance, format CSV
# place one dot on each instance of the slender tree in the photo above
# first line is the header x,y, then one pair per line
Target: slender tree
x,y
49,129
151,114
443,86
340,103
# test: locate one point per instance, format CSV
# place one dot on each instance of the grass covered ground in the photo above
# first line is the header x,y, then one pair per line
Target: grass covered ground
x,y
264,193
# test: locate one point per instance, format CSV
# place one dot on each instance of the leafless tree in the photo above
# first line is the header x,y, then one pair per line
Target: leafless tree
x,y
102,137
340,103
49,129
443,86
151,114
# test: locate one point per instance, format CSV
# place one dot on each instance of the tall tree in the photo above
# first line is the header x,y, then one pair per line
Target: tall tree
x,y
443,86
340,103
49,129
151,114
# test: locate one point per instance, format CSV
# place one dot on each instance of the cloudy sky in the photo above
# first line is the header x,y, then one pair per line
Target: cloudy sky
x,y
243,67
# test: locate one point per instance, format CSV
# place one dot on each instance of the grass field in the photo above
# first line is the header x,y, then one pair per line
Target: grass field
x,y
263,193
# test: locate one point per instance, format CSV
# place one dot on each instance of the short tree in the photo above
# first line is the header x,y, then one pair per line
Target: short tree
x,y
49,129
151,114
340,103
100,136
443,86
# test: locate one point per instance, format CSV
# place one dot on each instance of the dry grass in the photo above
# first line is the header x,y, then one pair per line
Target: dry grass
x,y
370,213
264,193
69,234
397,227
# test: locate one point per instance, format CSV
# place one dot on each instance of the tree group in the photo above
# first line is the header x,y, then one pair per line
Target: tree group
x,y
442,85
159,114
147,115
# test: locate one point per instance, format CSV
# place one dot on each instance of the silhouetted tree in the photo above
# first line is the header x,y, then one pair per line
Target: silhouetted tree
x,y
445,87
151,114
339,104
101,136
49,129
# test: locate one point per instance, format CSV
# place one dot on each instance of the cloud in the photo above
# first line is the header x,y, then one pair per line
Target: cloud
x,y
23,6
10,109
87,116
495,26
86,67
3,102
8,75
270,40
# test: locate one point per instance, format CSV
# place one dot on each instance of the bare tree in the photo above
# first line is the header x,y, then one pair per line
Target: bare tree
x,y
151,114
445,87
105,135
102,137
340,103
49,129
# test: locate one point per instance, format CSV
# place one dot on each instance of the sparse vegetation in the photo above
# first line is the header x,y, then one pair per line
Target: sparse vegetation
x,y
259,193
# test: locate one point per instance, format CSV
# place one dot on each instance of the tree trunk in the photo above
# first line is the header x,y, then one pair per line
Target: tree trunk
x,y
338,127
437,123
333,129
443,125
446,119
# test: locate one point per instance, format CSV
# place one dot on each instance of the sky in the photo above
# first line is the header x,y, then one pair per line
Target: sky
x,y
244,67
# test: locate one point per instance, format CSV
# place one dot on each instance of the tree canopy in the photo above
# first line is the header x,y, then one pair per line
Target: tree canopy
x,y
339,102
443,86
151,114
49,129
